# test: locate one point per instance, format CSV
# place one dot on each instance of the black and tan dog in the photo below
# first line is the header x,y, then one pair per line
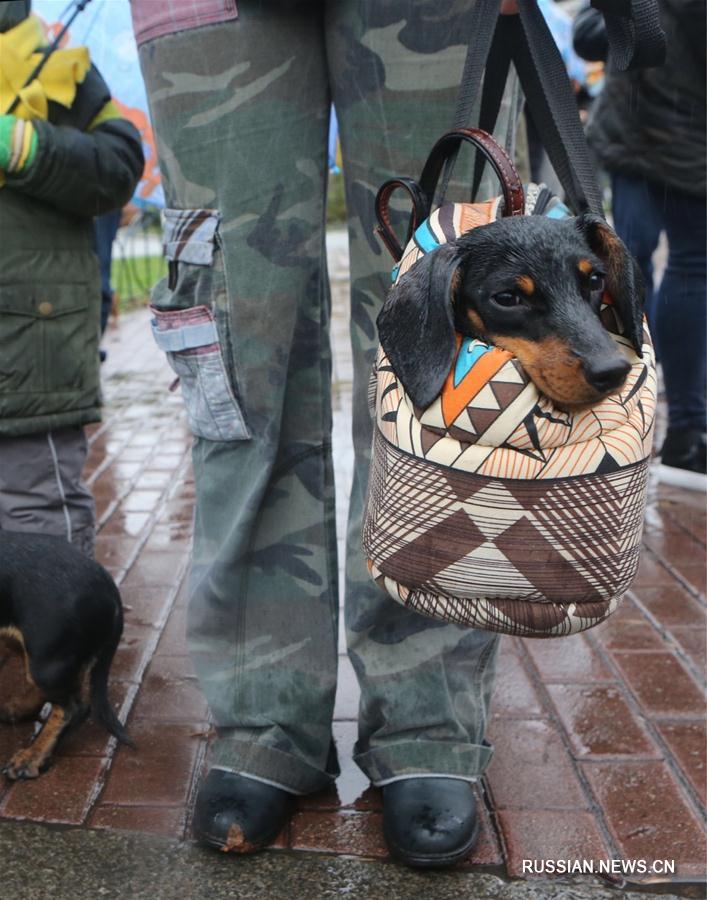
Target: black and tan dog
x,y
530,285
62,612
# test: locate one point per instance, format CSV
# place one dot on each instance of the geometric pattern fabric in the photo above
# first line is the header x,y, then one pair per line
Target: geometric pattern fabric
x,y
493,508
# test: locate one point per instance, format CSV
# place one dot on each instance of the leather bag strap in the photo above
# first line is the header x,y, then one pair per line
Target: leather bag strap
x,y
385,229
447,147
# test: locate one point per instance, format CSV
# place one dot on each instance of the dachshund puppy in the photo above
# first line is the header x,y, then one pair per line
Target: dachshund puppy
x,y
530,285
62,612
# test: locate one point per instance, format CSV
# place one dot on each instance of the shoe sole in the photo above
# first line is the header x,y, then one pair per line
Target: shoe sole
x,y
437,861
683,478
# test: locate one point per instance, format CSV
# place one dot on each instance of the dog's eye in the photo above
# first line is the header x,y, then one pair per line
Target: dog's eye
x,y
507,299
596,283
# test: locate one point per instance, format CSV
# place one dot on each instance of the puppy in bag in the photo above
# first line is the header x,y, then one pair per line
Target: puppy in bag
x,y
514,397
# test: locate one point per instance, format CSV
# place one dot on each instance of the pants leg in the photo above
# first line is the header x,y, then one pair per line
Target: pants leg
x,y
425,685
638,223
681,307
41,489
241,114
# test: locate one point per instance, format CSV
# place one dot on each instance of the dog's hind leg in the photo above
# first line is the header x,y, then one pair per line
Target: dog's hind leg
x,y
25,704
27,698
33,760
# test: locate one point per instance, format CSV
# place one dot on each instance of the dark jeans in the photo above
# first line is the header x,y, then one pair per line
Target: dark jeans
x,y
106,228
677,310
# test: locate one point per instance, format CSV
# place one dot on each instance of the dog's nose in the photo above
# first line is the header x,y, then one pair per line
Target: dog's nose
x,y
607,374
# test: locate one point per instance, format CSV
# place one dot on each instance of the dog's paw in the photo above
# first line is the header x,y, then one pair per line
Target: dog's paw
x,y
23,765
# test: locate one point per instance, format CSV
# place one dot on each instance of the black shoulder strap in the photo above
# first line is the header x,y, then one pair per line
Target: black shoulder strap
x,y
636,38
552,103
635,35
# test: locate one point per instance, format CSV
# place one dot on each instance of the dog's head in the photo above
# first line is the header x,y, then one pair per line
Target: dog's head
x,y
530,285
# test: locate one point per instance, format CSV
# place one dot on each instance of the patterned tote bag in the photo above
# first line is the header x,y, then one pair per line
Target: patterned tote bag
x,y
491,507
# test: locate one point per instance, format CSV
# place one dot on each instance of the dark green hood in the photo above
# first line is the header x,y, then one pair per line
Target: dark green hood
x,y
12,12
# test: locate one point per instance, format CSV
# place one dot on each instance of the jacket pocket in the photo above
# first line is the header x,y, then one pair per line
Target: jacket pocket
x,y
191,324
45,337
156,18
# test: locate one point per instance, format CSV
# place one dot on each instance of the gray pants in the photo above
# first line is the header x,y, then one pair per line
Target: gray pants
x,y
41,488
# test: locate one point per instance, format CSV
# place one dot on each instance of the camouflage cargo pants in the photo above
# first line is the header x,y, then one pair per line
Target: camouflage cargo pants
x,y
241,111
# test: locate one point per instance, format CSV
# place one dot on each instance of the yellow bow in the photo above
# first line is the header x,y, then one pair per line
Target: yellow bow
x,y
56,82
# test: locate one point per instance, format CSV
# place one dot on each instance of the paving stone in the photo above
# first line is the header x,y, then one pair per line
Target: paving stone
x,y
156,568
145,605
672,605
173,641
122,523
647,815
64,794
160,771
165,820
627,629
530,768
513,692
687,740
599,722
347,691
661,684
695,574
652,574
693,641
549,835
112,550
170,692
358,833
133,652
567,660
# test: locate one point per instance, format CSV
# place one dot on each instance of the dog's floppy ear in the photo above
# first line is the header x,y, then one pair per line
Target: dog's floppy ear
x,y
416,324
623,277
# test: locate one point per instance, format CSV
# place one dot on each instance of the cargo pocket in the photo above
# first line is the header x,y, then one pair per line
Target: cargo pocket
x,y
191,324
190,340
45,338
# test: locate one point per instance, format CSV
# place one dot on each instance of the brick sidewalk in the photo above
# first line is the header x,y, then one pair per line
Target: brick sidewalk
x,y
600,738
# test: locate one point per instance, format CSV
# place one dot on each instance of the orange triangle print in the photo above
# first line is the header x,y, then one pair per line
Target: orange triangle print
x,y
456,399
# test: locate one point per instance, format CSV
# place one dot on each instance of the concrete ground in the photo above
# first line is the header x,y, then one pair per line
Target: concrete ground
x,y
600,738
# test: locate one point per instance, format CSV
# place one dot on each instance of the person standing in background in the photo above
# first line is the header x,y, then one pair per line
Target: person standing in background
x,y
647,128
66,155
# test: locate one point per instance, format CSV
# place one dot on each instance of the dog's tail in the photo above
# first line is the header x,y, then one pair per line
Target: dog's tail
x,y
101,709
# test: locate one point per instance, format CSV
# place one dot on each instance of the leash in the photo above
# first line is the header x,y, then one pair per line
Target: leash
x,y
636,40
79,6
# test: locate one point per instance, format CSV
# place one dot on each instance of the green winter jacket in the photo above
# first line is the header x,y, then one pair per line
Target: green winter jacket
x,y
88,162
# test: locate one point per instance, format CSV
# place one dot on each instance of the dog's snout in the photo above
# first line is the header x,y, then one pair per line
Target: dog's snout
x,y
607,374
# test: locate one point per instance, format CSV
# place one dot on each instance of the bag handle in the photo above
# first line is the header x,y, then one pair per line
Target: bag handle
x,y
422,194
384,229
447,148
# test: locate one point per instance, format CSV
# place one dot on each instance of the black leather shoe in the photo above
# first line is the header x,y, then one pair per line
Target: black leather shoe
x,y
430,821
236,814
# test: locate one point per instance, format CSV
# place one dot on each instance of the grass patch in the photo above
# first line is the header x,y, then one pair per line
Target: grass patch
x,y
336,201
134,277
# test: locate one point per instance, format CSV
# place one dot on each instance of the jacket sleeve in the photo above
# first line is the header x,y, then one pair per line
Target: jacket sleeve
x,y
589,35
89,160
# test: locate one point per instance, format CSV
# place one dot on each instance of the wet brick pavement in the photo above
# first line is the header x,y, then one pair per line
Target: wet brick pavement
x,y
600,738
